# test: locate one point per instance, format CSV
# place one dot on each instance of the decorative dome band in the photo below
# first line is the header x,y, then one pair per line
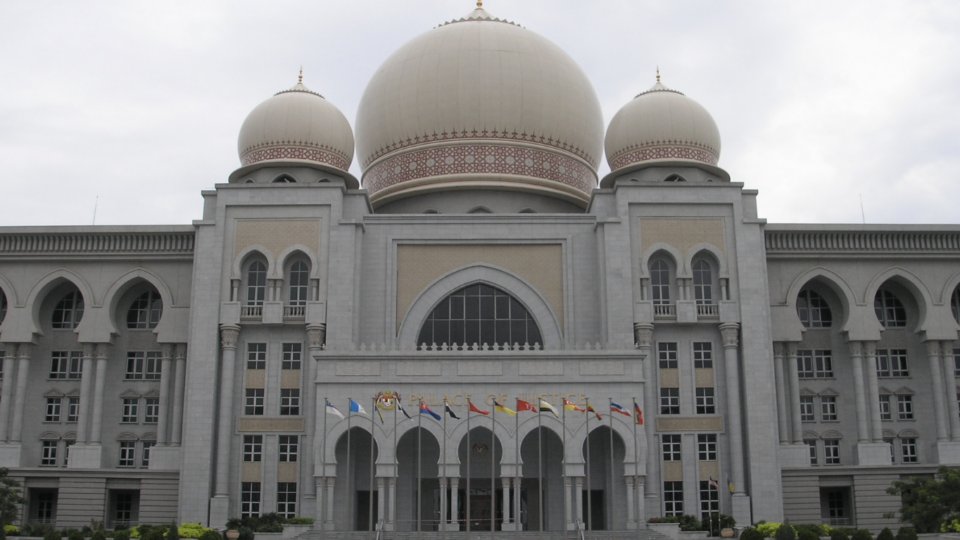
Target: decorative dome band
x,y
665,150
520,161
293,150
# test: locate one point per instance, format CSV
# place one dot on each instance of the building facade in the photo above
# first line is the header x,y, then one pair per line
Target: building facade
x,y
314,345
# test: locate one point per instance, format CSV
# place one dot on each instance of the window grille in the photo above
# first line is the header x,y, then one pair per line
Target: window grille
x,y
145,312
479,314
68,312
703,355
813,310
707,447
669,401
667,355
671,447
706,401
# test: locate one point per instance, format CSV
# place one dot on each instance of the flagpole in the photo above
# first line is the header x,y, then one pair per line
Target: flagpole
x,y
589,490
443,496
563,464
516,477
323,473
396,464
419,471
372,445
540,464
493,472
612,476
636,465
469,451
349,498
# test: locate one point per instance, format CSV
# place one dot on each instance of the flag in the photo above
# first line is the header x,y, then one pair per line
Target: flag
x,y
426,410
524,406
401,409
571,407
544,406
382,421
714,483
614,408
730,484
449,410
590,409
473,408
333,410
501,409
637,415
356,407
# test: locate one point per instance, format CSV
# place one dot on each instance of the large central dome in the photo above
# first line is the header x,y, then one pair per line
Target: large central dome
x,y
479,103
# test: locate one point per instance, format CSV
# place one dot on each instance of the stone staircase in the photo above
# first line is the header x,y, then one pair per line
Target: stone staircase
x,y
645,534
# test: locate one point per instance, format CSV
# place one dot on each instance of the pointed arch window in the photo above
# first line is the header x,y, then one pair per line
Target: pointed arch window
x,y
660,281
480,314
889,309
68,312
703,282
145,311
3,307
299,280
256,283
284,179
813,310
954,305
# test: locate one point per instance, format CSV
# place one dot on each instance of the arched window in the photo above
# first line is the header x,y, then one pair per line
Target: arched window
x,y
660,281
674,178
479,314
431,211
889,309
69,311
954,305
3,307
813,310
299,280
703,282
480,210
284,179
145,311
256,283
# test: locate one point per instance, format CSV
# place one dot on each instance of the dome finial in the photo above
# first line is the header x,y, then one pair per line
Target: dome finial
x,y
658,74
300,79
479,4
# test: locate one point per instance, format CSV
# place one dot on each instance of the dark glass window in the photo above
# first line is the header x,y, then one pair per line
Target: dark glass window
x,y
813,310
954,304
68,312
479,314
299,281
256,283
703,282
3,307
145,311
660,282
889,309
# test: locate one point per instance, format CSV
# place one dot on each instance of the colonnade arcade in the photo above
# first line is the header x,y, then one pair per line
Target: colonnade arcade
x,y
421,474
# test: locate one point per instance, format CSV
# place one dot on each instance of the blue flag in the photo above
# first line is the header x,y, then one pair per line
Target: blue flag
x,y
426,410
356,407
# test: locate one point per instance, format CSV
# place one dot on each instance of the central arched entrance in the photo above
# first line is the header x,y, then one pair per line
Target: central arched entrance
x,y
480,505
356,486
604,485
541,490
418,486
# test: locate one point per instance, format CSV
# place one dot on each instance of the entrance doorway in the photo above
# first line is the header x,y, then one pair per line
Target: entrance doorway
x,y
594,519
364,508
482,509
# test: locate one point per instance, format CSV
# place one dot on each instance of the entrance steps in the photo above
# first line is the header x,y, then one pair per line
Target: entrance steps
x,y
645,534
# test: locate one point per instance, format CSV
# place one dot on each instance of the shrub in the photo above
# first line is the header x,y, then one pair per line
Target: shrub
x,y
839,534
11,530
98,535
786,532
120,535
75,535
885,534
210,534
689,523
303,521
751,534
246,533
907,533
768,530
816,530
157,533
192,530
39,530
53,535
173,532
862,534
807,534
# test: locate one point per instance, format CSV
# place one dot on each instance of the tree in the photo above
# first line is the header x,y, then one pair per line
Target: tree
x,y
10,499
925,502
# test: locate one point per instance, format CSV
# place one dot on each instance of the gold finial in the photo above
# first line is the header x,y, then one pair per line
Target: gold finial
x,y
479,4
300,80
658,74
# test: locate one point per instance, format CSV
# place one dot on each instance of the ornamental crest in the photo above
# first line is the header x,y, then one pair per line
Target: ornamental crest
x,y
387,401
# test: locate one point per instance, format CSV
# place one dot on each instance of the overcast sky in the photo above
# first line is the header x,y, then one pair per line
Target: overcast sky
x,y
819,102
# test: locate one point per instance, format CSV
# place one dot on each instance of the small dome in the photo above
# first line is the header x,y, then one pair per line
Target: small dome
x,y
479,103
662,127
297,127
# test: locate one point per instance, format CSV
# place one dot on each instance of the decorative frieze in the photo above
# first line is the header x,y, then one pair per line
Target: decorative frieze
x,y
100,243
863,241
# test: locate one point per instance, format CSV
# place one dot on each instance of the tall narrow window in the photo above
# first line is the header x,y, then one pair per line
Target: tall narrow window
x,y
252,448
48,455
673,498
702,282
292,353
73,409
479,314
806,409
68,312
703,355
889,309
299,283
249,499
706,401
256,283
813,310
287,499
828,408
905,407
707,446
128,451
669,401
145,311
146,446
289,445
908,447
660,282
709,501
812,445
289,402
53,410
256,356
667,355
885,407
671,447
151,414
831,451
253,402
130,411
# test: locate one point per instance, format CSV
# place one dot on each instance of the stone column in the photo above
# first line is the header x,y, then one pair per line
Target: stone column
x,y
631,521
23,370
506,484
331,483
96,420
950,380
939,407
178,390
873,387
793,375
319,509
454,504
643,333
782,398
516,504
229,335
86,375
9,360
443,502
312,407
578,497
381,497
567,503
731,343
392,486
165,365
863,414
